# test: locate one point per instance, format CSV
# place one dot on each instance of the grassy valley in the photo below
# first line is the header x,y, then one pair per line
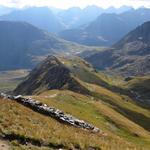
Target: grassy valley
x,y
10,79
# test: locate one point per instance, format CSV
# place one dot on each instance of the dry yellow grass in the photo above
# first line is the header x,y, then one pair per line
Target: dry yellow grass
x,y
15,118
98,113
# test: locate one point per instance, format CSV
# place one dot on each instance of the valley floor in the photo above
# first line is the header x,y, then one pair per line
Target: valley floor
x,y
11,78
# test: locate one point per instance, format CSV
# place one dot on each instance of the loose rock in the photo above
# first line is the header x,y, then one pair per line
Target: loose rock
x,y
51,111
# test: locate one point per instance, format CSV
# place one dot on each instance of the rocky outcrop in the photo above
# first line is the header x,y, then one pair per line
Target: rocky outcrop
x,y
50,74
51,111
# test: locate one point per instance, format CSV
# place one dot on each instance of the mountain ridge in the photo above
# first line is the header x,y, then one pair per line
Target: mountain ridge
x,y
41,17
107,29
23,45
129,56
50,74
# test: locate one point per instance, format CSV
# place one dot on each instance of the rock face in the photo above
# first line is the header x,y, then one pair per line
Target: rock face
x,y
130,56
52,112
50,74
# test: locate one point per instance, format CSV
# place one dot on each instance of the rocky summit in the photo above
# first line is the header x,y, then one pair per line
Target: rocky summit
x,y
50,74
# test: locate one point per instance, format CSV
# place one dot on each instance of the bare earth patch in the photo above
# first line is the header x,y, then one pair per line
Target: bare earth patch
x,y
4,145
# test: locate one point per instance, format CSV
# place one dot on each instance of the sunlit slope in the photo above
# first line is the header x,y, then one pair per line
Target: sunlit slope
x,y
61,72
140,86
121,103
72,85
77,75
27,125
99,113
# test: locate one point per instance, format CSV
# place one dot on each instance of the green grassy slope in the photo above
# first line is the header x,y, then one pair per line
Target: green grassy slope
x,y
124,124
35,128
99,113
141,85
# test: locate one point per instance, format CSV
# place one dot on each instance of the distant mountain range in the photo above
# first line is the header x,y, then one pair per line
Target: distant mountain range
x,y
30,44
5,10
41,17
75,16
55,20
107,28
130,56
22,45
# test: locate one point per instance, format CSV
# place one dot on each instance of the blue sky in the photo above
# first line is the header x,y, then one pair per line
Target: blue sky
x,y
70,3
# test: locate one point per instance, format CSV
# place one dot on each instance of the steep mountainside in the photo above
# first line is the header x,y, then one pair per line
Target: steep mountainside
x,y
61,72
107,28
117,132
130,56
41,17
22,45
51,74
140,86
73,86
